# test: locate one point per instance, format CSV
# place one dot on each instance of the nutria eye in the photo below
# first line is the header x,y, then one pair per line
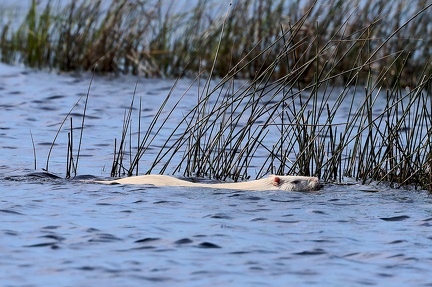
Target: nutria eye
x,y
295,181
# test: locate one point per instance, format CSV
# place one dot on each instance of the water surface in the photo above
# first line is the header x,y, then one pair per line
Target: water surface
x,y
58,232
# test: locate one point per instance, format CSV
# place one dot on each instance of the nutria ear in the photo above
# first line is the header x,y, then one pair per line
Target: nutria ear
x,y
276,180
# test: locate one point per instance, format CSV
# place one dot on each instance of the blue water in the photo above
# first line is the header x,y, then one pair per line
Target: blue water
x,y
57,232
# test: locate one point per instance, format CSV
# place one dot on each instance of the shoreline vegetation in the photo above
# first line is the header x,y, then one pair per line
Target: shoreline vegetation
x,y
156,39
304,62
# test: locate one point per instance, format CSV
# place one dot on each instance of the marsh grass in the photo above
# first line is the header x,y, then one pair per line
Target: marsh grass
x,y
303,71
71,158
228,134
154,38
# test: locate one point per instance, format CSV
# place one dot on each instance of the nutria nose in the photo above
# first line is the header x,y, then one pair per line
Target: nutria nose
x,y
318,185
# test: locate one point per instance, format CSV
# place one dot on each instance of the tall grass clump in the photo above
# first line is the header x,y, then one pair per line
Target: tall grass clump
x,y
334,89
161,38
348,104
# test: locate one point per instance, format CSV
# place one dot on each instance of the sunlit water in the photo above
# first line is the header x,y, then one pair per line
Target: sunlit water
x,y
57,232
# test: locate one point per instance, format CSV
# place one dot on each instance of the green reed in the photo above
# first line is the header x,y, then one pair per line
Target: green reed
x,y
219,138
71,159
152,38
301,71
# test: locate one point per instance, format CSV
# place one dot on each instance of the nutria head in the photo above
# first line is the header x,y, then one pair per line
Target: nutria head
x,y
295,183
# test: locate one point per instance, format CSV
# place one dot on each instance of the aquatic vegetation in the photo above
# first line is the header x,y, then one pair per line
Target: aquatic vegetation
x,y
386,136
155,38
302,64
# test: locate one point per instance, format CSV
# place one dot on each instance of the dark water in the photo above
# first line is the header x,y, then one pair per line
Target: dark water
x,y
57,232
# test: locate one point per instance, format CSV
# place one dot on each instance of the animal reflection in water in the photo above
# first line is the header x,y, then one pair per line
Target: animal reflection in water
x,y
273,182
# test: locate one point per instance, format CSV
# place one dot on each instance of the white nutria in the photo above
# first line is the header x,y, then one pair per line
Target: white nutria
x,y
273,182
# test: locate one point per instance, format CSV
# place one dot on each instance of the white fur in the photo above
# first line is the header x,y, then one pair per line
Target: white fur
x,y
273,182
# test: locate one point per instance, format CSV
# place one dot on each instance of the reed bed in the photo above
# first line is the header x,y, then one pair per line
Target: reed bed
x,y
305,64
155,38
385,137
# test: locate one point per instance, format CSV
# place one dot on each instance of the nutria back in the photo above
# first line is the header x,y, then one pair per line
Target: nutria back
x,y
273,182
